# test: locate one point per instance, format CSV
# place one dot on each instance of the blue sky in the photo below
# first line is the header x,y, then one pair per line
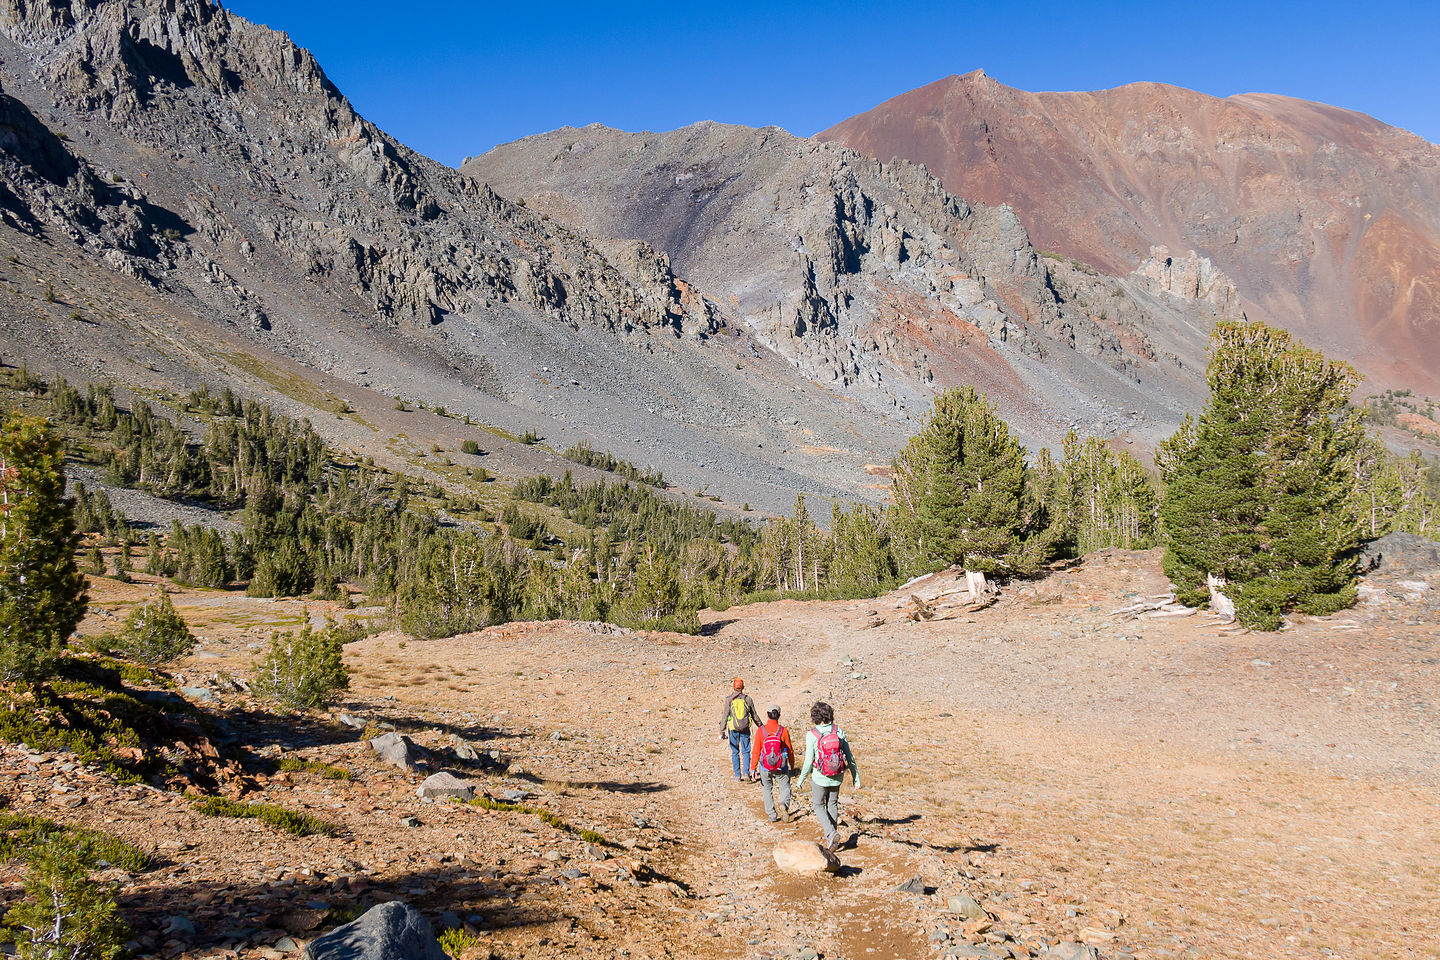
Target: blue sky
x,y
454,79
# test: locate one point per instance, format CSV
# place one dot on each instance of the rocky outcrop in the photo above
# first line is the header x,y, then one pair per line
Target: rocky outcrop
x,y
245,113
870,277
1191,277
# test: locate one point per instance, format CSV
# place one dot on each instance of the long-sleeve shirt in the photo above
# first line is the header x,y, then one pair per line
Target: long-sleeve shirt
x,y
728,715
812,748
761,734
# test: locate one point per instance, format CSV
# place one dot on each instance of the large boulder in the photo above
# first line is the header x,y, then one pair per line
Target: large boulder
x,y
804,856
397,750
439,786
390,931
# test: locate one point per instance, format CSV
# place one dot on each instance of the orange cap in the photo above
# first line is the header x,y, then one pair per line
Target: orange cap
x,y
739,684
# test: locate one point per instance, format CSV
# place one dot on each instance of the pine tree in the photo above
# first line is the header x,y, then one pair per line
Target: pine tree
x,y
42,594
960,493
1259,489
154,633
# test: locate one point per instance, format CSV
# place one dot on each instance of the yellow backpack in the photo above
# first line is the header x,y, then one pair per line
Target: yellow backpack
x,y
738,714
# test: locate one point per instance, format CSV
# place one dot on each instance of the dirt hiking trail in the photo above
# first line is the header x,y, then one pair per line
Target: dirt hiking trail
x,y
1148,788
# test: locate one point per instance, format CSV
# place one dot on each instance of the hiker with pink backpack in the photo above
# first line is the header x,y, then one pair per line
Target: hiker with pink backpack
x,y
772,761
827,753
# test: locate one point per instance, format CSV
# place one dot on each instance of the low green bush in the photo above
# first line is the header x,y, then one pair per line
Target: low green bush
x,y
305,669
65,915
546,816
456,940
23,836
154,632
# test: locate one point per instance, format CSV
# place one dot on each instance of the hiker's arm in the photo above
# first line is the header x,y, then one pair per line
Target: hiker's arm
x,y
850,761
809,757
755,744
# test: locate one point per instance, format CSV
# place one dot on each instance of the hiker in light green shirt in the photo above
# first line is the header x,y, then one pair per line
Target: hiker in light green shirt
x,y
827,757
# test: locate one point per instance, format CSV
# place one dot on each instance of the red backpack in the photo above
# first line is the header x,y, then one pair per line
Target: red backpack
x,y
772,750
829,756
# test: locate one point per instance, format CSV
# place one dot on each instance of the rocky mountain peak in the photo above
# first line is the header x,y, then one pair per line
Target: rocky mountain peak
x,y
1326,220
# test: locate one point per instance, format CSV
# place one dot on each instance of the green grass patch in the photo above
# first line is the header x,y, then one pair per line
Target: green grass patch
x,y
22,835
326,771
290,821
456,940
546,816
292,386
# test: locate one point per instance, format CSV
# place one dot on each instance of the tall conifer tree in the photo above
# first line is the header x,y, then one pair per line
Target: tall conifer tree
x,y
1258,490
42,594
960,492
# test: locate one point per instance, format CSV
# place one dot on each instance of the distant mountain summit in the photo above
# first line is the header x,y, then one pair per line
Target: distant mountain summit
x,y
1327,220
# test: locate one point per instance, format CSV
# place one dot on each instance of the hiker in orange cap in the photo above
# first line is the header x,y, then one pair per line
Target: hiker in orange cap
x,y
735,727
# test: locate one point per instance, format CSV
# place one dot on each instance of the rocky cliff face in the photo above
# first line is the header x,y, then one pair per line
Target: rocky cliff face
x,y
871,277
234,110
1327,221
203,201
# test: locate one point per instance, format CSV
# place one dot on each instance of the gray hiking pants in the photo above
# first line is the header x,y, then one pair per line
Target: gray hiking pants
x,y
781,781
827,807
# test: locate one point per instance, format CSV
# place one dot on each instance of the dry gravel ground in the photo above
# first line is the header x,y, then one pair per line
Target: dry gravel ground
x,y
1160,788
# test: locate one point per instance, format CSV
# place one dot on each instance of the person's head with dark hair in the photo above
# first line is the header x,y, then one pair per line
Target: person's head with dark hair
x,y
822,713
773,713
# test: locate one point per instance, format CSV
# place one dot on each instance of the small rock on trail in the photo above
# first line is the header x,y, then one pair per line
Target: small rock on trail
x,y
439,786
804,856
397,750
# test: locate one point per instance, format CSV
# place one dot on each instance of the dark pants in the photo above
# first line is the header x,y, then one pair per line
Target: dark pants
x,y
740,752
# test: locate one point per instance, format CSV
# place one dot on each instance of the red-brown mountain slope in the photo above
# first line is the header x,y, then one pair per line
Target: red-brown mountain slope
x,y
1327,220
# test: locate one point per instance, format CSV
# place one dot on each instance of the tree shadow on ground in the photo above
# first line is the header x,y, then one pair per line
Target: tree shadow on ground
x,y
714,627
258,912
608,786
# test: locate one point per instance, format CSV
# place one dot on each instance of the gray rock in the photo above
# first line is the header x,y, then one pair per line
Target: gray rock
x,y
439,786
350,720
411,822
964,905
197,693
913,885
515,796
390,931
286,945
595,853
464,749
1072,951
178,926
397,750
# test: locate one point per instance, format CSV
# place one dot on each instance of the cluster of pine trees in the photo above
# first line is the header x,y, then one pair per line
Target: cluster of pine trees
x,y
1271,489
586,455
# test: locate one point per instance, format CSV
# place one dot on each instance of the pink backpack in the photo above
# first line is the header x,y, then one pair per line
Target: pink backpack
x,y
829,756
772,750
